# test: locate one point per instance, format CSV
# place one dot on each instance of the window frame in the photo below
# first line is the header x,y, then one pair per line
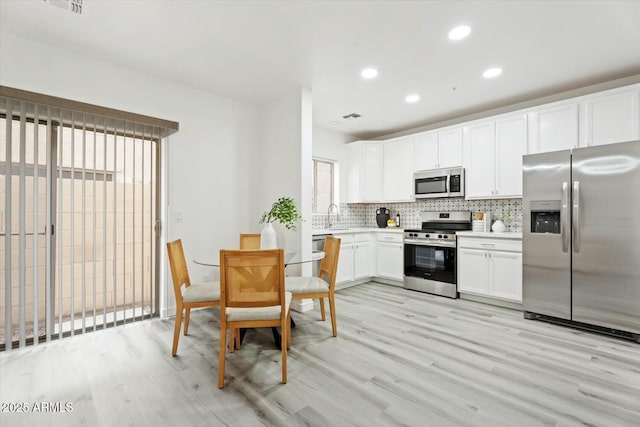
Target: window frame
x,y
334,199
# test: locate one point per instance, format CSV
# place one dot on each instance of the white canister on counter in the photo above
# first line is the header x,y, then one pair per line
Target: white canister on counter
x,y
498,226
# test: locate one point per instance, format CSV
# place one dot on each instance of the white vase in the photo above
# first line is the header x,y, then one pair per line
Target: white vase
x,y
498,226
268,237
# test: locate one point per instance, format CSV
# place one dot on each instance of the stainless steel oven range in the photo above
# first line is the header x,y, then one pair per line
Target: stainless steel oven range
x,y
430,253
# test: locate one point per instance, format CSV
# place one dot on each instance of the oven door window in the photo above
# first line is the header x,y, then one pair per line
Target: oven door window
x,y
436,185
430,262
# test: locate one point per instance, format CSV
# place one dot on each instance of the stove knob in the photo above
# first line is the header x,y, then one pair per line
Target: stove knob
x,y
439,236
426,236
445,237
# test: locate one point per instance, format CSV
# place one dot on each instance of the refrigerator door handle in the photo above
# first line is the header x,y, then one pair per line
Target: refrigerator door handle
x,y
564,217
576,216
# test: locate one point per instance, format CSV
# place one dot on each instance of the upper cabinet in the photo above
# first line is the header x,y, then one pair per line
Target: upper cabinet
x,y
493,152
398,170
610,116
491,149
599,118
438,149
365,171
511,145
553,127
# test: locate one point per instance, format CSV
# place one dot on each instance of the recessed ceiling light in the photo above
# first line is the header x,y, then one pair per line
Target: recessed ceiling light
x,y
335,123
492,72
460,32
369,73
412,98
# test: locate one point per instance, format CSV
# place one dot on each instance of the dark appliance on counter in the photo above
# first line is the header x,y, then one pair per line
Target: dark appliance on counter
x,y
382,216
430,258
581,238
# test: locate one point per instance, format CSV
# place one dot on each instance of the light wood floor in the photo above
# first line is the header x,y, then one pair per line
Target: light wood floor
x,y
400,358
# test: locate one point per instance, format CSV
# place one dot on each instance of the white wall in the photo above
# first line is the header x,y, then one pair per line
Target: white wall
x,y
281,162
332,145
207,160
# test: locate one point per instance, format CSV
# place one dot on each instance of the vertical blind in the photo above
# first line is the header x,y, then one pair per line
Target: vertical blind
x,y
78,217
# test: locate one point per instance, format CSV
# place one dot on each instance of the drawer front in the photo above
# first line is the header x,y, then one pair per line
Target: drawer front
x,y
345,239
362,237
490,244
390,237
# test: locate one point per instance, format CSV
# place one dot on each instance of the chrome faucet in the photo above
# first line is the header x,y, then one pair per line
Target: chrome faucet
x,y
329,214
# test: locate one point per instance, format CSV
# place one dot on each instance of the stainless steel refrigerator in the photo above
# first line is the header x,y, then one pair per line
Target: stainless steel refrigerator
x,y
581,237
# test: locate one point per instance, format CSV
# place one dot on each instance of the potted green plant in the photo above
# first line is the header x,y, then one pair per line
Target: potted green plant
x,y
283,210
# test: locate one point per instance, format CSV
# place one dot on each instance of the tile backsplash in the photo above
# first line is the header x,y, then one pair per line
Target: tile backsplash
x,y
364,214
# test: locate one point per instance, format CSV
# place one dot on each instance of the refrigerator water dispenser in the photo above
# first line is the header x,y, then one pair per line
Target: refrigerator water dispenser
x,y
545,216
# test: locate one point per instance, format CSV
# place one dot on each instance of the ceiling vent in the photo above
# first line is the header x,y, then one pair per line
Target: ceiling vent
x,y
352,116
74,6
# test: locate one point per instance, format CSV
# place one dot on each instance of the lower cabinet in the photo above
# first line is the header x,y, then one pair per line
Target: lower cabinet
x,y
356,257
390,256
490,267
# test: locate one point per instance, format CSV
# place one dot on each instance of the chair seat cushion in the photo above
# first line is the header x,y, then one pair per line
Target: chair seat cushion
x,y
236,314
305,285
199,292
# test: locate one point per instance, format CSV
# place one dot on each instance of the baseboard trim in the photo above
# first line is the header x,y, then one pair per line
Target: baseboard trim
x,y
391,282
492,301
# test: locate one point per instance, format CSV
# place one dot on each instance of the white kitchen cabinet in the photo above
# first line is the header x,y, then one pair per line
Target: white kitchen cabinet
x,y
365,171
398,170
390,256
473,271
450,148
493,157
357,254
480,160
490,267
346,269
553,127
438,149
610,116
506,274
511,144
364,254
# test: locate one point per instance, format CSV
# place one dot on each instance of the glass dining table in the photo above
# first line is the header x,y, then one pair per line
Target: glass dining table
x,y
290,258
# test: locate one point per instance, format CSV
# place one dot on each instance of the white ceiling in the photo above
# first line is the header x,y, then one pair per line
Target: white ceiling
x,y
258,50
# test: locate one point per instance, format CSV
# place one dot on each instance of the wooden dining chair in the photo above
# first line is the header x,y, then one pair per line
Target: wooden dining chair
x,y
249,241
252,242
188,295
324,285
252,295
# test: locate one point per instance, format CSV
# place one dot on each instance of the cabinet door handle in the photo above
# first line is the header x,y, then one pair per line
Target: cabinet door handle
x,y
489,245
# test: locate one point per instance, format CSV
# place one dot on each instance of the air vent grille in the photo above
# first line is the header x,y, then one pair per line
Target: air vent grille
x,y
74,6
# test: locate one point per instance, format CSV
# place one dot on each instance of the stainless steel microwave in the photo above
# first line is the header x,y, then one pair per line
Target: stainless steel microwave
x,y
439,183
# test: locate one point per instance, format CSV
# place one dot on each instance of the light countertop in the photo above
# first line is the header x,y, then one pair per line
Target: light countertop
x,y
357,230
490,234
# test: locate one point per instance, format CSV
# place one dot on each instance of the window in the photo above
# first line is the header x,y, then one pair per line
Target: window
x,y
324,185
78,207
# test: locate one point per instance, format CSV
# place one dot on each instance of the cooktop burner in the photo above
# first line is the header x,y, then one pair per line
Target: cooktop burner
x,y
440,226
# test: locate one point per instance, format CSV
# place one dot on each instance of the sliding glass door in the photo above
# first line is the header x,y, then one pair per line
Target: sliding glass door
x,y
78,215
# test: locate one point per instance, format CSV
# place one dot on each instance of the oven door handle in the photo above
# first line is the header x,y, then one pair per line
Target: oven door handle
x,y
423,243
